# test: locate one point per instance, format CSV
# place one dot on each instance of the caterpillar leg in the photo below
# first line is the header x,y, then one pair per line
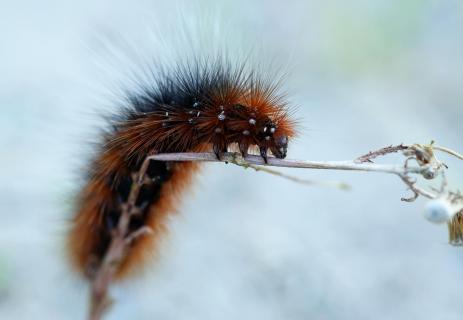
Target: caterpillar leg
x,y
244,146
219,149
263,153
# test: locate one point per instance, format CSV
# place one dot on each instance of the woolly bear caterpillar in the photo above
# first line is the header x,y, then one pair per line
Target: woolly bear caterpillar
x,y
199,104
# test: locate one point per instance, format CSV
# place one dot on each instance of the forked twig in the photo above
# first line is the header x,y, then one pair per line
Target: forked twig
x,y
121,238
427,166
380,152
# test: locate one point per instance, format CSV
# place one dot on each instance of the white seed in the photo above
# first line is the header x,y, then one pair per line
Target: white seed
x,y
267,138
246,132
218,130
272,130
190,120
265,129
167,114
196,104
439,211
198,113
252,121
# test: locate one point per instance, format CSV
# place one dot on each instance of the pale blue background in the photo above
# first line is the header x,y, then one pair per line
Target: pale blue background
x,y
246,245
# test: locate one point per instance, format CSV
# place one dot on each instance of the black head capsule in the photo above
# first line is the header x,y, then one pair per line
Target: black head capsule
x,y
280,146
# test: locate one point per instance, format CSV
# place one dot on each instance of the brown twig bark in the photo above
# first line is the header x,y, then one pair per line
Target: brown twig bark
x,y
427,166
380,152
236,158
121,237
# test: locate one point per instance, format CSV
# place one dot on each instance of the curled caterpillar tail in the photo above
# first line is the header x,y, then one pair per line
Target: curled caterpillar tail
x,y
198,106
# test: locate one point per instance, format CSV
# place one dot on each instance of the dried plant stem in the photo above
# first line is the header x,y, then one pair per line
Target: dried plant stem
x,y
120,241
449,151
334,184
426,166
380,152
274,162
417,191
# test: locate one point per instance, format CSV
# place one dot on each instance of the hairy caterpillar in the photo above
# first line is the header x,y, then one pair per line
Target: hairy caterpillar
x,y
198,105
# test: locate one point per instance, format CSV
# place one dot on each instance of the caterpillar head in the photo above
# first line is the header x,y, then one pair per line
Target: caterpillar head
x,y
280,146
274,138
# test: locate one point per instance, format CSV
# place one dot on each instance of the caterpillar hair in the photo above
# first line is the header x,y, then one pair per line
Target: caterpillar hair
x,y
198,105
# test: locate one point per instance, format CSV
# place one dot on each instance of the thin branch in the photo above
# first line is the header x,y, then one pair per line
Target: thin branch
x,y
417,191
380,152
427,166
275,162
334,184
449,151
121,237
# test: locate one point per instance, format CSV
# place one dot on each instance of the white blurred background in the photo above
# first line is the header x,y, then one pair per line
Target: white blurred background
x,y
364,74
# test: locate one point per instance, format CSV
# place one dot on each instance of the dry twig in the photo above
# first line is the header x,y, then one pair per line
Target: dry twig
x,y
380,152
121,238
427,166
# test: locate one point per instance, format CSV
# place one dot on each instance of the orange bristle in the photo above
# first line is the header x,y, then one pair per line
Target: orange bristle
x,y
197,107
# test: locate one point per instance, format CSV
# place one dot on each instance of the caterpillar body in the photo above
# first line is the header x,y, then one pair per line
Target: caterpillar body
x,y
198,105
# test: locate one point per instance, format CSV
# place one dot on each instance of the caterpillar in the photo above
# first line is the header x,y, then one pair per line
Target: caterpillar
x,y
197,105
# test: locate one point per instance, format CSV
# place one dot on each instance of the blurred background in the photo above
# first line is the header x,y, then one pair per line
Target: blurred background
x,y
364,74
